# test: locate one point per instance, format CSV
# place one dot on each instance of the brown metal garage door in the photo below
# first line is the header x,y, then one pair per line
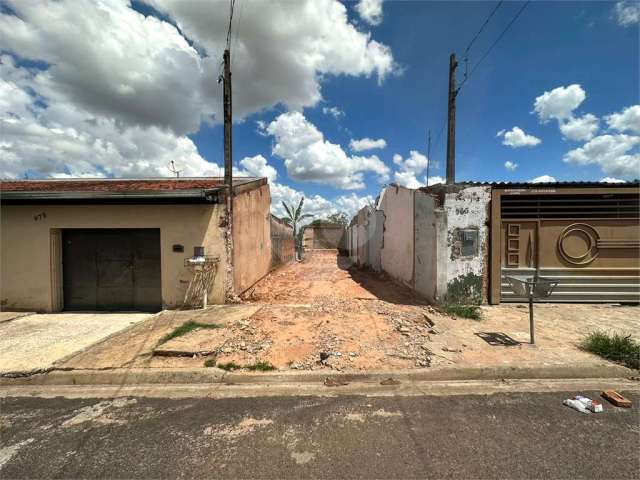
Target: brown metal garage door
x,y
589,243
111,269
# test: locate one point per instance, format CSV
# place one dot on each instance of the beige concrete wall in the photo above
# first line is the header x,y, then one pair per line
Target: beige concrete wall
x,y
397,251
251,237
25,246
283,249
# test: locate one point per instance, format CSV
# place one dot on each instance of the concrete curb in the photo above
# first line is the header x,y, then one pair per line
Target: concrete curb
x,y
181,376
16,316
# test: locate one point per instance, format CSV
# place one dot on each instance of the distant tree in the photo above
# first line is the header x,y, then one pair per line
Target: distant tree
x,y
293,218
334,219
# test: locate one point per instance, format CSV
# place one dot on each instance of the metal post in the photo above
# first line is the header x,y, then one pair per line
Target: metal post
x,y
205,297
531,328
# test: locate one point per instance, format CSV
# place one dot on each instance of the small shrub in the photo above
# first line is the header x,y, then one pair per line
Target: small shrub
x,y
186,328
261,366
210,362
229,366
615,347
465,311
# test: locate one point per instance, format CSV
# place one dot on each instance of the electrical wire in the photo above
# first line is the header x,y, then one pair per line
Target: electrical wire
x,y
232,5
466,51
488,51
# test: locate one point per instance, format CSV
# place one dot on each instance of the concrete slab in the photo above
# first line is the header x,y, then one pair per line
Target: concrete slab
x,y
8,316
134,347
36,342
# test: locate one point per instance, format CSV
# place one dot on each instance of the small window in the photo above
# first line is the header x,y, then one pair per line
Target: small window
x,y
467,240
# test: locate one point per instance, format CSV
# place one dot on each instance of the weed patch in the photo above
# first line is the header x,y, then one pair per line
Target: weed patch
x,y
186,328
261,366
615,347
229,366
210,362
465,311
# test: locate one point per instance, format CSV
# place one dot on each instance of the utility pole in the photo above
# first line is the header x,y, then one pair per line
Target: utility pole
x,y
228,153
451,130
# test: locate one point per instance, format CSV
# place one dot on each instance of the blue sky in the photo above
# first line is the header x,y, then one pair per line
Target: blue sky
x,y
385,73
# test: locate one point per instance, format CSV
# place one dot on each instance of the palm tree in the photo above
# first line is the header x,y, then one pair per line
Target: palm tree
x,y
294,217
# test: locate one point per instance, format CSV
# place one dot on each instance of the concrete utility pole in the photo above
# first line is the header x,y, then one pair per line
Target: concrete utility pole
x,y
228,152
428,154
451,131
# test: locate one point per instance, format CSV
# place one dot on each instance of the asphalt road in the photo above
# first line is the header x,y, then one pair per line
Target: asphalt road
x,y
513,435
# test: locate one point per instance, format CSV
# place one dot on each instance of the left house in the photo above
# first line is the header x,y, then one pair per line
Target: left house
x,y
113,244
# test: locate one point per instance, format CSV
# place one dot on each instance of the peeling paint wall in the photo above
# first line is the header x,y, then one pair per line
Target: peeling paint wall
x,y
467,216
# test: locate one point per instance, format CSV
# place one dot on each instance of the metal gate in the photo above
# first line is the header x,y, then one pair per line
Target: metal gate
x,y
111,269
590,243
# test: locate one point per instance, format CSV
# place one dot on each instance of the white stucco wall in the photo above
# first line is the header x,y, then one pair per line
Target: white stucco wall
x,y
397,251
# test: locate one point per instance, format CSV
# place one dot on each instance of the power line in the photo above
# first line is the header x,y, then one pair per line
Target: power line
x,y
233,3
237,32
241,9
486,54
464,55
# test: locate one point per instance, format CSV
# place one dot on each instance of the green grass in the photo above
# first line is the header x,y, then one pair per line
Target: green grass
x,y
261,366
229,366
465,311
615,347
210,362
186,328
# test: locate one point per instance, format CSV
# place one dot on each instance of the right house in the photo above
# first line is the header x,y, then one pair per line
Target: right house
x,y
584,235
458,243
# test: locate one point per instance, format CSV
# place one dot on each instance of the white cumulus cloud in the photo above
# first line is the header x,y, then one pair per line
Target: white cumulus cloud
x,y
627,12
62,139
559,103
626,120
580,128
509,165
367,144
114,62
612,180
614,154
256,166
409,169
516,137
543,179
309,157
335,112
370,11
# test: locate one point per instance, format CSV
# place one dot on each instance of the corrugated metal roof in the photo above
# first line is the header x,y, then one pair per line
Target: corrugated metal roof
x,y
632,183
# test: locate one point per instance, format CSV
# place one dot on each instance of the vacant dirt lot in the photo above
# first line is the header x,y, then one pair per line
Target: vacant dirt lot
x,y
355,320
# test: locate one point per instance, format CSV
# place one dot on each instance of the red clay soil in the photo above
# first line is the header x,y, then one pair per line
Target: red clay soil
x,y
362,320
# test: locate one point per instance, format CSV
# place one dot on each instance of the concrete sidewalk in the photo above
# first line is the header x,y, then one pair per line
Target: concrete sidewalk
x,y
36,342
